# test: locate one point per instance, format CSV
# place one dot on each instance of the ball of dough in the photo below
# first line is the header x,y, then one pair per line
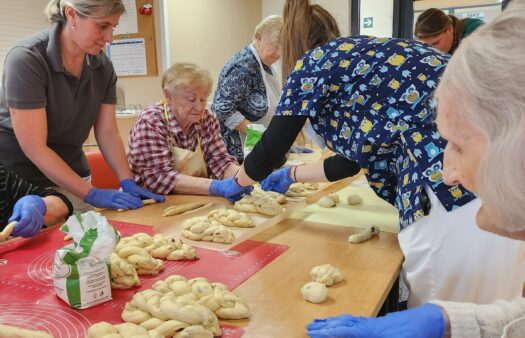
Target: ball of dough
x,y
353,199
326,274
314,292
326,202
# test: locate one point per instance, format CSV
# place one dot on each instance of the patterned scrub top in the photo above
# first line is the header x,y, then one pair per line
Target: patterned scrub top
x,y
370,99
240,89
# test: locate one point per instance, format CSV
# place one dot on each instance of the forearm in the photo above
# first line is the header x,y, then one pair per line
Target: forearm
x,y
192,185
57,210
243,126
58,171
232,169
312,172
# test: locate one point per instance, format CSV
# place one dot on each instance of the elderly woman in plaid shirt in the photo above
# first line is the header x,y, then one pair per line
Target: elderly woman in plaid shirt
x,y
176,146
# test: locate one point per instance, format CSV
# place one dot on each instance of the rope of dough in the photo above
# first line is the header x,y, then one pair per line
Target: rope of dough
x,y
179,209
16,332
364,235
144,202
7,231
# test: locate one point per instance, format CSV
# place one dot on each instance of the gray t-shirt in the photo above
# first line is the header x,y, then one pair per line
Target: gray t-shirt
x,y
34,77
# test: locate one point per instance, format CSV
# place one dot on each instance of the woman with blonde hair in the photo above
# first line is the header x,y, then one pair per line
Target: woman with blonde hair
x,y
56,86
249,86
175,145
481,112
444,31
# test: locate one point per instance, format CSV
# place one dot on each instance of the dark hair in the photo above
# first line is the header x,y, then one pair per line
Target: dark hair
x,y
434,21
305,27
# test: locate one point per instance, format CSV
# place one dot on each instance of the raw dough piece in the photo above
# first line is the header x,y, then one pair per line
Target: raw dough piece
x,y
140,259
160,246
125,330
231,218
301,189
258,192
7,231
354,199
16,332
328,201
314,292
262,205
206,229
364,235
123,275
181,208
326,274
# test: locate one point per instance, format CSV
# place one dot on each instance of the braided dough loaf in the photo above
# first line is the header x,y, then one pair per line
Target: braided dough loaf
x,y
258,204
206,229
140,259
326,274
107,330
277,197
231,218
161,246
123,275
301,189
215,296
328,201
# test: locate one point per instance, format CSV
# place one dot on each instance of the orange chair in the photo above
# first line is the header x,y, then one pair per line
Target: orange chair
x,y
102,176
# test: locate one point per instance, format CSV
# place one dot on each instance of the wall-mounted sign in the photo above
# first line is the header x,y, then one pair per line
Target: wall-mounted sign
x,y
464,15
368,22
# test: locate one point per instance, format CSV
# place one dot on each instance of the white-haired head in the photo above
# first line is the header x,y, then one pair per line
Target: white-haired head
x,y
488,71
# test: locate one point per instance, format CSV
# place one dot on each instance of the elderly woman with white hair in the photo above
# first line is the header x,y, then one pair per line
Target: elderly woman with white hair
x,y
249,87
175,145
485,153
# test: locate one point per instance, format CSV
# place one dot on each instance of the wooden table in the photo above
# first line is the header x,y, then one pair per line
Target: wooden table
x,y
273,294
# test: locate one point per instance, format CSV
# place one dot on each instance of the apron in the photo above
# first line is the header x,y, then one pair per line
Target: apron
x,y
448,257
185,161
273,90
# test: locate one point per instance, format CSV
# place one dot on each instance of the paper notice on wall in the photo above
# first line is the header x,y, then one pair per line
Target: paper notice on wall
x,y
128,56
128,21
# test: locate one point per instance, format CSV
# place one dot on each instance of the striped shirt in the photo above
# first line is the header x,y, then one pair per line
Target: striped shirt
x,y
150,156
13,187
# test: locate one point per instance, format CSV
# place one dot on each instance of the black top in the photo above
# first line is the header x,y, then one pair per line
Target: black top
x,y
275,143
12,188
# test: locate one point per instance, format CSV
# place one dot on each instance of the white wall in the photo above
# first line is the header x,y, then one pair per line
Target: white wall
x,y
209,32
380,13
340,9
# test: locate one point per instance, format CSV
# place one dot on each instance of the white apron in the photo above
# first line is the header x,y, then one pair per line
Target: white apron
x,y
273,89
448,257
185,161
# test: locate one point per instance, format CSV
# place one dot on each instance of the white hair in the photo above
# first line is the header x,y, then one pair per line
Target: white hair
x,y
270,26
489,69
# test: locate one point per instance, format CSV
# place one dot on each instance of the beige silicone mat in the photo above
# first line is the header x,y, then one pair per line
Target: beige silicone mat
x,y
373,210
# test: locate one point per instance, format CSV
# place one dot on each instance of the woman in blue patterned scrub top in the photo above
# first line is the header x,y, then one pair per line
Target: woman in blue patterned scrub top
x,y
370,99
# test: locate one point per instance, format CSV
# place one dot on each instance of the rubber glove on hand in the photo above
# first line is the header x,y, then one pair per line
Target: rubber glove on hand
x,y
132,188
424,321
300,150
229,189
112,199
278,181
29,211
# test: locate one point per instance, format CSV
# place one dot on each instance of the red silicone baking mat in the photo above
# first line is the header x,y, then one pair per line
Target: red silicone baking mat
x,y
28,297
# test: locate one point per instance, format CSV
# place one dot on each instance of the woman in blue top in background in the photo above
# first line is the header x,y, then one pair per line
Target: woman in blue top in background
x,y
370,99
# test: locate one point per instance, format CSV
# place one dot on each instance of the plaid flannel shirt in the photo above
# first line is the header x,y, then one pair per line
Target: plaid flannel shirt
x,y
150,156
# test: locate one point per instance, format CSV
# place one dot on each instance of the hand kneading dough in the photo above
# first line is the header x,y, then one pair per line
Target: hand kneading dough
x,y
314,292
326,274
328,201
353,199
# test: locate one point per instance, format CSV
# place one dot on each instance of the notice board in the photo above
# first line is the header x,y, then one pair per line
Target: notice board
x,y
133,50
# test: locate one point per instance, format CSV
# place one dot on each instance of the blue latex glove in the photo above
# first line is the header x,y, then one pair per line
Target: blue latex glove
x,y
229,189
278,181
301,150
426,321
112,199
132,188
29,211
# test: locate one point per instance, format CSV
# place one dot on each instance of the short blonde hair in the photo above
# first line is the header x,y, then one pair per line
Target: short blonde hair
x,y
489,69
87,8
184,75
270,26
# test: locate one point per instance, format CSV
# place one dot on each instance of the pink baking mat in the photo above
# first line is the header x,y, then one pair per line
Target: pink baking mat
x,y
27,296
